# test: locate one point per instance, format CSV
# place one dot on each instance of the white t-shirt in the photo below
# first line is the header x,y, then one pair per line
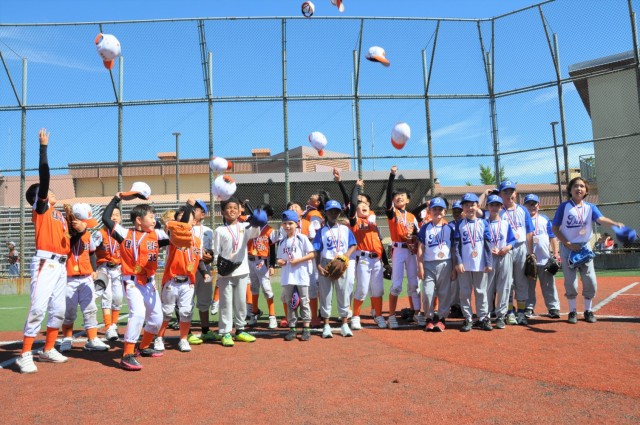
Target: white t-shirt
x,y
230,241
291,248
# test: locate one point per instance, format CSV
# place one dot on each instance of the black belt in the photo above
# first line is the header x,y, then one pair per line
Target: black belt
x,y
400,245
112,265
180,279
368,255
133,278
62,259
252,258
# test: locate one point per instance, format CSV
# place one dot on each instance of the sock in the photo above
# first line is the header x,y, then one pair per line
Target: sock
x,y
376,303
272,309
357,304
521,306
27,343
147,337
50,342
286,310
436,304
163,328
587,304
184,329
129,347
67,331
216,294
313,304
254,303
249,295
205,329
115,315
572,304
393,302
106,317
92,333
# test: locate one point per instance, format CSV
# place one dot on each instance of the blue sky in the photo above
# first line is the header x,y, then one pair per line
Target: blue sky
x,y
162,61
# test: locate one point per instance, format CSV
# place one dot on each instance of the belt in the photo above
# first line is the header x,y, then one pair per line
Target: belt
x,y
51,256
133,278
112,265
180,279
368,254
254,258
400,245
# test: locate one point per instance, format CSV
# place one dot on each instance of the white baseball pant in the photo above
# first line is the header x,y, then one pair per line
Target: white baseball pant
x,y
313,281
549,290
177,294
259,278
48,282
203,293
81,291
587,275
305,310
403,260
113,293
369,277
144,306
437,281
233,303
520,281
499,284
475,282
326,287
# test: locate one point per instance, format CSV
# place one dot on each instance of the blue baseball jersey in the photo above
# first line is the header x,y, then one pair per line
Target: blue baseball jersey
x,y
437,241
575,221
541,236
333,241
473,236
501,233
520,221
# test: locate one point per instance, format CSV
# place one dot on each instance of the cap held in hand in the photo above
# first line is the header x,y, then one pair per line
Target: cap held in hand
x,y
138,190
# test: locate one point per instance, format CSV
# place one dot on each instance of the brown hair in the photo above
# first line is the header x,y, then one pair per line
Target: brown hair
x,y
573,181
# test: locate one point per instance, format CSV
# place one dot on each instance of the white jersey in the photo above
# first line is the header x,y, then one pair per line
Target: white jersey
x,y
520,221
473,236
291,248
205,234
334,241
575,220
230,241
501,233
437,241
541,236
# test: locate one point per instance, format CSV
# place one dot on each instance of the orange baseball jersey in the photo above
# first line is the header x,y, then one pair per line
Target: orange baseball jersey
x,y
108,250
183,262
367,236
145,247
260,246
242,218
52,233
78,262
401,225
303,225
314,213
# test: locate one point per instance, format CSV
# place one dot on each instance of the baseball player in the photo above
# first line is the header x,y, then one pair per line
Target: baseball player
x,y
545,244
80,289
333,240
473,262
572,225
139,249
402,226
435,265
295,253
203,290
13,257
456,310
313,214
501,276
48,271
108,261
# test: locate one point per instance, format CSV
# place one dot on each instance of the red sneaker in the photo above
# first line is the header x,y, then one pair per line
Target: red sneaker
x,y
429,326
439,327
129,362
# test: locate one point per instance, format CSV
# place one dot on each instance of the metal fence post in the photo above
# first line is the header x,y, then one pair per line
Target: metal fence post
x,y
177,166
23,157
120,114
285,118
563,127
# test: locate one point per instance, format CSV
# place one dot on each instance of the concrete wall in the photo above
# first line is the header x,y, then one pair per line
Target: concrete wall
x,y
622,260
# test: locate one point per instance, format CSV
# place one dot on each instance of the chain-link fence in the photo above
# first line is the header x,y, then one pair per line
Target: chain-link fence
x,y
536,96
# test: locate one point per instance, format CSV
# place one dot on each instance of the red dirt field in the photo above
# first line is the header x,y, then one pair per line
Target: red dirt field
x,y
547,372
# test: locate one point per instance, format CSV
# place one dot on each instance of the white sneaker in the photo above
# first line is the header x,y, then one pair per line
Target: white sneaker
x,y
420,319
52,356
345,330
184,346
392,323
25,362
273,322
112,333
326,331
214,307
382,324
65,345
158,344
355,323
96,344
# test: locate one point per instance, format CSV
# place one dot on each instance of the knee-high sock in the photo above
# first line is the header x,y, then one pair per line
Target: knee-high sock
x,y
50,341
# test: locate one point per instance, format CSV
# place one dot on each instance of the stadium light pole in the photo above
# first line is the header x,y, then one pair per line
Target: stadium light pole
x,y
177,167
555,151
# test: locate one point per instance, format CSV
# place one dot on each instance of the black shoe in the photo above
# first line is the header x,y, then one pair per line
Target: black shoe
x,y
174,325
150,352
589,317
528,313
573,317
554,313
485,325
436,317
466,326
291,335
306,334
477,324
129,362
500,323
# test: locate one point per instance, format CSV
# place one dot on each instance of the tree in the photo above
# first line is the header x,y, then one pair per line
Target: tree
x,y
488,177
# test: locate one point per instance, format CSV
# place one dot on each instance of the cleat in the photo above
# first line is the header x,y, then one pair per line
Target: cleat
x,y
112,333
511,319
227,341
392,323
477,324
345,330
214,307
52,356
573,318
209,336
500,323
466,326
273,322
420,319
529,313
326,332
485,325
26,364
429,326
96,344
554,313
382,324
291,335
194,340
355,323
440,326
129,362
149,352
522,319
184,346
158,344
65,345
306,334
589,317
243,336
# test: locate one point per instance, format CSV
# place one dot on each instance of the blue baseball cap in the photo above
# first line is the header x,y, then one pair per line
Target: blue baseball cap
x,y
332,205
494,198
437,202
470,197
531,197
290,215
625,234
507,184
457,205
201,204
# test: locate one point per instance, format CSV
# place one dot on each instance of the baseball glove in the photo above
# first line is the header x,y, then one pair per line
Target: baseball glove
x,y
531,267
552,265
68,212
226,267
180,234
579,258
388,271
412,243
336,267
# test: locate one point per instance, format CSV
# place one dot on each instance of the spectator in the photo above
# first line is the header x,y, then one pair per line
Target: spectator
x,y
13,257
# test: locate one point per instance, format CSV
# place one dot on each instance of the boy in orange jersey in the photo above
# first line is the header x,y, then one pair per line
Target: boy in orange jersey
x,y
178,283
139,248
262,258
108,261
402,226
48,272
80,287
368,255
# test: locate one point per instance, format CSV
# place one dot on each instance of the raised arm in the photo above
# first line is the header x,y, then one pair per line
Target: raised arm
x,y
44,173
388,203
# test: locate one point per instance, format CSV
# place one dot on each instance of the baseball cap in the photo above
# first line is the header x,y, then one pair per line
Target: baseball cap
x,y
531,197
377,54
290,215
83,212
507,184
457,205
138,190
494,198
332,205
625,234
470,197
338,4
11,243
437,202
201,204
